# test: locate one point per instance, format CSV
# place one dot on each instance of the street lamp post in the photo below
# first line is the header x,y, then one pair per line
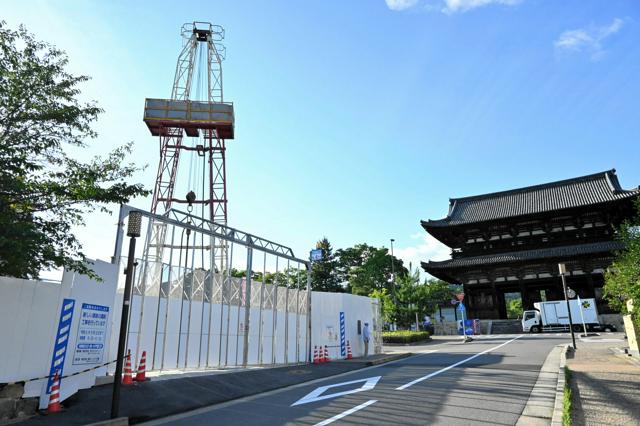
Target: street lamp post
x,y
133,231
393,278
563,270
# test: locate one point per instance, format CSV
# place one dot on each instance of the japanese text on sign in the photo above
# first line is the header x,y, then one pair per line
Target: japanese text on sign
x,y
92,333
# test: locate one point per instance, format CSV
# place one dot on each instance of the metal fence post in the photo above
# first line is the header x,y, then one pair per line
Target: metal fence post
x,y
247,306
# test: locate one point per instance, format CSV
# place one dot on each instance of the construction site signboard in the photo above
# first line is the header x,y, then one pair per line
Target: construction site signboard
x,y
92,334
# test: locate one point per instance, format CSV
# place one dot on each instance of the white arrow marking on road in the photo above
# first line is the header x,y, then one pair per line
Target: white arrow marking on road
x,y
428,376
316,395
346,413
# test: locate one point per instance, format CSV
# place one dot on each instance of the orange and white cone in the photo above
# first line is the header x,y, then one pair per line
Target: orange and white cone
x,y
349,354
54,397
316,359
141,372
127,379
326,354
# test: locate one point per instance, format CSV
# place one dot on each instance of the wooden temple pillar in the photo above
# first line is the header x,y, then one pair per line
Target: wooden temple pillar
x,y
524,295
591,291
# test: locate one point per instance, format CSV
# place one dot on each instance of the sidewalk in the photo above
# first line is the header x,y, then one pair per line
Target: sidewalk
x,y
160,398
605,386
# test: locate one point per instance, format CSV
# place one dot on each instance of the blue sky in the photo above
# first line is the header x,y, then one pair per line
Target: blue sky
x,y
356,119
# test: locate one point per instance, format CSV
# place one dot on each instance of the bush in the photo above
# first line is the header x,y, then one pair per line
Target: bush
x,y
404,336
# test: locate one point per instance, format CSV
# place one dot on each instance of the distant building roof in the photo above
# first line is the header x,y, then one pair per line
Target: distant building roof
x,y
524,256
577,192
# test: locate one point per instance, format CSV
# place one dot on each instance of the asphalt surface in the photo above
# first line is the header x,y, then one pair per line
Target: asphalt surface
x,y
487,381
161,398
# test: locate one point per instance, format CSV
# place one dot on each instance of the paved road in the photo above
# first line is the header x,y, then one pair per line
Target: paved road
x,y
487,381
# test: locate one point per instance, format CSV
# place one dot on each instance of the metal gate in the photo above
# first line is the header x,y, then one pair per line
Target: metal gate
x,y
189,313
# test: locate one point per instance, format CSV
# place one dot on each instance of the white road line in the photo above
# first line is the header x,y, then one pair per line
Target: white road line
x,y
346,413
428,376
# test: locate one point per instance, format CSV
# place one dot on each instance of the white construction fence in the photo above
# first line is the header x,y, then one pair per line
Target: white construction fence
x,y
71,327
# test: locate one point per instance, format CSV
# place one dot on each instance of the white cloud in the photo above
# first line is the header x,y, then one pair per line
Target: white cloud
x,y
588,39
426,248
400,4
453,6
446,6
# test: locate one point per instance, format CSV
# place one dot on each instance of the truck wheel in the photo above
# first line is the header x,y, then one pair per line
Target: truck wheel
x,y
576,327
534,329
607,329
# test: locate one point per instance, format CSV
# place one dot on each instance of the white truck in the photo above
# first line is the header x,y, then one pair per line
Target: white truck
x,y
553,316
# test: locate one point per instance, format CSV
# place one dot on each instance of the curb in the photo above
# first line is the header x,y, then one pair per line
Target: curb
x,y
389,358
119,421
556,420
541,403
626,356
418,343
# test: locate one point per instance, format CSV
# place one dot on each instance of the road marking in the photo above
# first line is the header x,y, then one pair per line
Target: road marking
x,y
435,373
346,413
316,394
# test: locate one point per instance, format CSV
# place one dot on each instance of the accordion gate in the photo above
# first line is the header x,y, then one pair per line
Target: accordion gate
x,y
188,314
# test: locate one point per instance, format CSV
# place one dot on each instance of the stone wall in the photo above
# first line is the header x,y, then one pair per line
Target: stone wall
x,y
12,405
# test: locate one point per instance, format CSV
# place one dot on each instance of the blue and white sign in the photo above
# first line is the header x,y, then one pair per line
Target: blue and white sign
x,y
62,340
343,337
92,334
461,307
316,255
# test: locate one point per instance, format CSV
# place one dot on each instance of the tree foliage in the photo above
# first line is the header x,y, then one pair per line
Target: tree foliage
x,y
421,298
387,307
43,191
622,280
368,268
324,276
514,308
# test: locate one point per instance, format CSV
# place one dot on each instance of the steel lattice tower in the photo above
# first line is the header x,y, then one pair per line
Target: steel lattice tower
x,y
171,118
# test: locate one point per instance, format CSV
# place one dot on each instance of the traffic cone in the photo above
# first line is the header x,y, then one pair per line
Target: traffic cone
x,y
140,374
326,354
349,354
54,398
316,359
127,379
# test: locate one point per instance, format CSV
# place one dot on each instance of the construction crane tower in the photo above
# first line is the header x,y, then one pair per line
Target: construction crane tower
x,y
198,111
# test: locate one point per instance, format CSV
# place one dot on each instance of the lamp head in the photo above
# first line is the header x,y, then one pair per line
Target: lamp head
x,y
135,223
562,268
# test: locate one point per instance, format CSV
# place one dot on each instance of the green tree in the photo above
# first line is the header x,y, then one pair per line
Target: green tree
x,y
324,276
387,307
437,293
368,268
43,191
514,308
622,280
421,298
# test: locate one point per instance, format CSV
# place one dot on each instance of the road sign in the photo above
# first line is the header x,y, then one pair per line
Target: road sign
x,y
460,296
461,307
316,255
